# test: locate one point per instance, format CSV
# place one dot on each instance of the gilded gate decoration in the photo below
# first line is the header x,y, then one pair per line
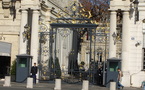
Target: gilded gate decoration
x,y
43,52
60,45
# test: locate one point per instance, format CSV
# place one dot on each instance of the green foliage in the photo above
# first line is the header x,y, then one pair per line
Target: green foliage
x,y
51,64
57,68
54,68
13,68
51,68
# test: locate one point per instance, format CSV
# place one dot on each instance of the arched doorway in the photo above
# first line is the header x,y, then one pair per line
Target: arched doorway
x,y
4,66
5,59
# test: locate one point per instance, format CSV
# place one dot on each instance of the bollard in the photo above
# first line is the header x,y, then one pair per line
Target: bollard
x,y
29,82
85,85
57,84
7,82
112,85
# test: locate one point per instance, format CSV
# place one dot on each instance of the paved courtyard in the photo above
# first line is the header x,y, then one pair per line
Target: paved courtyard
x,y
50,86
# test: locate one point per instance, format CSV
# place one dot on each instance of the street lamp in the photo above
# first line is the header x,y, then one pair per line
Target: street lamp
x,y
136,2
114,37
26,36
26,33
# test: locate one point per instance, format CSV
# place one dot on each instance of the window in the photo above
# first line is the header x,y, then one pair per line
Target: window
x,y
113,66
23,62
143,58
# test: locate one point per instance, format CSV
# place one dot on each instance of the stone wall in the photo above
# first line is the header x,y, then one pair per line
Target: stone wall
x,y
10,30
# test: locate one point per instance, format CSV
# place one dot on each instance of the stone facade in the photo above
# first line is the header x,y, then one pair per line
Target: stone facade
x,y
9,28
13,20
132,41
136,52
12,27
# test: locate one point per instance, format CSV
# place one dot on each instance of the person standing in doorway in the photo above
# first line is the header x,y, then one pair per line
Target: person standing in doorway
x,y
34,72
120,75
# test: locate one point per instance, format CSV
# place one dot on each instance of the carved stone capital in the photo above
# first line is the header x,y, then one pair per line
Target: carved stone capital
x,y
6,4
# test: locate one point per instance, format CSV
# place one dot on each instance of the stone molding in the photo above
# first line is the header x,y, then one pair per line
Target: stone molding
x,y
141,6
9,33
33,4
123,5
6,4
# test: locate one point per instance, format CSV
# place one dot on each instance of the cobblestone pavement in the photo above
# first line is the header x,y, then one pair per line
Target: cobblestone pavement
x,y
50,86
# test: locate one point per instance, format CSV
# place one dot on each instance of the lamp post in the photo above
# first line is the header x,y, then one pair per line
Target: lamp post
x,y
114,37
26,36
136,2
26,33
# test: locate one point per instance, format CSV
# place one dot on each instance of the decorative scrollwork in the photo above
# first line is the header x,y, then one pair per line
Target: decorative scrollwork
x,y
45,50
64,32
43,27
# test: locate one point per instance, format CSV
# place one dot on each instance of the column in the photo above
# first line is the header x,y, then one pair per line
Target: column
x,y
34,37
125,41
125,49
22,43
112,46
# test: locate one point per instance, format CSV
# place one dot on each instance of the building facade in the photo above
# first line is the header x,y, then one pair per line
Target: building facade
x,y
20,27
131,20
22,22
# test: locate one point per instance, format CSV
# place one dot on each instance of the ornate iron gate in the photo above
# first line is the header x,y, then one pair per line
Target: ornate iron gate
x,y
48,60
50,66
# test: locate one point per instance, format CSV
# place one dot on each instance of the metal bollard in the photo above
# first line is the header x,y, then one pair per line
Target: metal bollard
x,y
7,82
85,85
112,85
57,84
29,82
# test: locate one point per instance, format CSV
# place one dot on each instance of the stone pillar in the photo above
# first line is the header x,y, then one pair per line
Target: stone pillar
x,y
7,82
57,84
22,43
85,85
125,49
112,45
29,82
34,37
112,86
125,41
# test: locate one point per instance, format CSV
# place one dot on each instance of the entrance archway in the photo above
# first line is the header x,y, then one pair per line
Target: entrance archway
x,y
5,59
4,66
60,45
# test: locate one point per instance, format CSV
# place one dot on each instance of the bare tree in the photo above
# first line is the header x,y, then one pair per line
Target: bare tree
x,y
98,9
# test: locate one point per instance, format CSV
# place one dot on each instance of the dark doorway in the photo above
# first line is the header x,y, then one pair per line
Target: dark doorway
x,y
4,66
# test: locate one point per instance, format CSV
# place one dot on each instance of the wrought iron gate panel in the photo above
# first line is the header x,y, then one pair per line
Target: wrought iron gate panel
x,y
72,75
44,56
49,60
